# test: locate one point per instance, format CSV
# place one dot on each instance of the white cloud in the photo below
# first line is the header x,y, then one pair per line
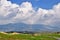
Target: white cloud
x,y
13,13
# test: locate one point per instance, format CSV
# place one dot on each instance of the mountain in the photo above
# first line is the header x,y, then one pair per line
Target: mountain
x,y
28,27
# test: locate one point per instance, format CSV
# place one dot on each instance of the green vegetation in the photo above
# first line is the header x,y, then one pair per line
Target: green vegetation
x,y
41,36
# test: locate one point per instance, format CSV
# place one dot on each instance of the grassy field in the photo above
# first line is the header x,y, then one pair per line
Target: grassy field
x,y
41,36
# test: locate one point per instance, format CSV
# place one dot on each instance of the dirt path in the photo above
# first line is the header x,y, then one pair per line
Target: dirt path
x,y
57,38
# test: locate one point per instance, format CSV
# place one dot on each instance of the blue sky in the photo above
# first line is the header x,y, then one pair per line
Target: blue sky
x,y
45,4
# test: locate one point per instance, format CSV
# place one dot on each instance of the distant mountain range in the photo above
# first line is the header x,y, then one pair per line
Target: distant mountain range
x,y
28,27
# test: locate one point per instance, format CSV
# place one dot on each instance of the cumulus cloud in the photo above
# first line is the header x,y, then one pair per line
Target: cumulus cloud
x,y
25,13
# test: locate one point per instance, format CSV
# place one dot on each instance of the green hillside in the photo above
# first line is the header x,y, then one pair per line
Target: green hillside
x,y
42,36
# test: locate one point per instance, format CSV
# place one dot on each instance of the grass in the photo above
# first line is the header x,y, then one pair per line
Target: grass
x,y
28,37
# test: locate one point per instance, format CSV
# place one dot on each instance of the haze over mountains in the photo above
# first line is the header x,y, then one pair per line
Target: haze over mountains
x,y
25,27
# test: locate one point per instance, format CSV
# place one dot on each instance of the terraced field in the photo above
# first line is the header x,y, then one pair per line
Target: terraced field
x,y
29,36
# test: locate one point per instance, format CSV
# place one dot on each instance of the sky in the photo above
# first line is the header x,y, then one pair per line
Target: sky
x,y
45,4
45,12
